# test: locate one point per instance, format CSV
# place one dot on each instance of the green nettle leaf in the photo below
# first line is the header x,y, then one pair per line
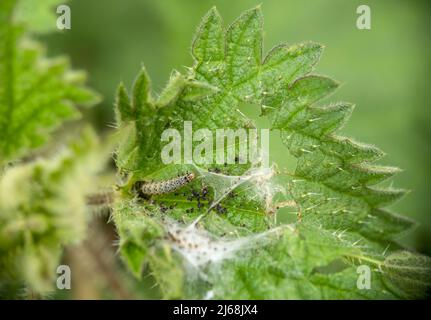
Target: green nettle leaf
x,y
47,211
42,201
408,273
217,237
36,93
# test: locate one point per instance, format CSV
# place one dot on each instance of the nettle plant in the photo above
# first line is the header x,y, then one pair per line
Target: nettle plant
x,y
41,208
218,237
202,231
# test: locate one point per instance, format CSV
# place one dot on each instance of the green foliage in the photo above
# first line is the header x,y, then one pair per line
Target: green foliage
x,y
38,17
408,274
42,202
146,118
341,223
36,93
43,208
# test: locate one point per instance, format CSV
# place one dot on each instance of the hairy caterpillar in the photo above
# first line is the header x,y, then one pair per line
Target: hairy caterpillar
x,y
167,186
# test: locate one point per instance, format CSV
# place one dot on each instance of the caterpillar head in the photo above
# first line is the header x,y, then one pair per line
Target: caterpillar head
x,y
189,176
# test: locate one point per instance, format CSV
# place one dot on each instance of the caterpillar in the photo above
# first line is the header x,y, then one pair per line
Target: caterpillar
x,y
167,186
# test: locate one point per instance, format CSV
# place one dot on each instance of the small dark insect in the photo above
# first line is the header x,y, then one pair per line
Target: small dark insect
x,y
204,191
195,194
163,208
167,186
231,194
220,209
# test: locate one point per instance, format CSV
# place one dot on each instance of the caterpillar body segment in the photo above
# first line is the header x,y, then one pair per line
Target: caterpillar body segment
x,y
166,186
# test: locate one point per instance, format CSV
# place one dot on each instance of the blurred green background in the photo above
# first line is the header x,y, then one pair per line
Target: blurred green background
x,y
383,70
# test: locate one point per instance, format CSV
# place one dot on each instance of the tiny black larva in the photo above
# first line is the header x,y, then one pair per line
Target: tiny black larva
x,y
166,186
